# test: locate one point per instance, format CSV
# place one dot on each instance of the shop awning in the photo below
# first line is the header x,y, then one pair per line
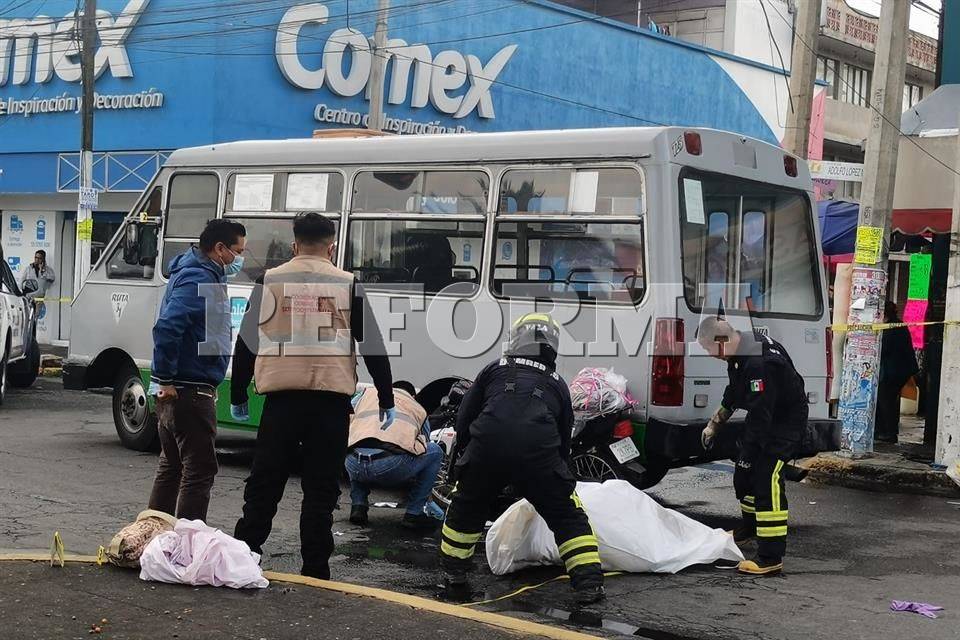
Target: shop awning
x,y
915,222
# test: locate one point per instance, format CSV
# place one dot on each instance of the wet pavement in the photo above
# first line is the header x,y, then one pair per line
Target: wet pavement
x,y
850,552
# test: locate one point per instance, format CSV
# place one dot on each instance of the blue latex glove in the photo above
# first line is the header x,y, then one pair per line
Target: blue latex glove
x,y
386,417
240,412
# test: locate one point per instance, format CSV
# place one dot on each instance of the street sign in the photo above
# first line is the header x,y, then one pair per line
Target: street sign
x,y
827,170
89,198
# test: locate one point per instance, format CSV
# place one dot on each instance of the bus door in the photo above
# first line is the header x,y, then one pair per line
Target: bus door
x,y
749,254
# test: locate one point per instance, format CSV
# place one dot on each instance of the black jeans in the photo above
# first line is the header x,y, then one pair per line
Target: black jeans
x,y
187,427
318,423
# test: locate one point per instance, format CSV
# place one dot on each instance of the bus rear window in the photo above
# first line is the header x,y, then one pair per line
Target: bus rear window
x,y
747,246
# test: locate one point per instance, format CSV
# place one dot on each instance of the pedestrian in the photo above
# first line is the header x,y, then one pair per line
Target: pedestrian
x,y
401,455
898,363
764,383
38,276
191,350
514,428
310,315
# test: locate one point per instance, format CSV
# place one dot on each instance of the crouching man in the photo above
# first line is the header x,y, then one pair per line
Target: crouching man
x,y
392,455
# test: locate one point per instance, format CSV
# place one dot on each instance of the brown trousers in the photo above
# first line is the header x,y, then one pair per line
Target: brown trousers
x,y
188,461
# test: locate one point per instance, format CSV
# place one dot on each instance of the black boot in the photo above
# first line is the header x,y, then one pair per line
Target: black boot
x,y
744,533
358,515
419,522
455,588
587,583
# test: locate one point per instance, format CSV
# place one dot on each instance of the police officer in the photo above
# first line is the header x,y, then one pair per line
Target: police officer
x,y
515,423
764,383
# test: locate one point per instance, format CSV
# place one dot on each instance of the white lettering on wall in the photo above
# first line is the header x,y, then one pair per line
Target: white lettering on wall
x,y
49,46
436,79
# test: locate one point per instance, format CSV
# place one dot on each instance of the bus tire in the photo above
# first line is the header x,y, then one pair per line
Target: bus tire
x,y
24,373
135,423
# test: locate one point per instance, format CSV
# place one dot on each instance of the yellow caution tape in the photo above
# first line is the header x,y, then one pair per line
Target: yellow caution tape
x,y
531,587
62,299
57,552
882,326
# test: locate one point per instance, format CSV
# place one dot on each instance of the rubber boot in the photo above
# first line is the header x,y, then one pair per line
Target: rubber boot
x,y
587,583
761,567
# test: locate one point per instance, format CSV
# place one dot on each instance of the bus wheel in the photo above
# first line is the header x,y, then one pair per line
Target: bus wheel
x,y
136,425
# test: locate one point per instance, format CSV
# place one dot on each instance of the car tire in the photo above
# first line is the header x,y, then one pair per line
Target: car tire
x,y
4,375
135,423
24,373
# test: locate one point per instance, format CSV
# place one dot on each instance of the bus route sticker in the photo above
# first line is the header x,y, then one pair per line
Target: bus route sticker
x,y
869,243
118,302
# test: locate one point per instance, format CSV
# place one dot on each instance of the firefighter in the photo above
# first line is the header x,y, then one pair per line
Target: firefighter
x,y
764,383
514,427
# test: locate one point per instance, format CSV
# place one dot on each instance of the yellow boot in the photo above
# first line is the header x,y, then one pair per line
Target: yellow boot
x,y
760,567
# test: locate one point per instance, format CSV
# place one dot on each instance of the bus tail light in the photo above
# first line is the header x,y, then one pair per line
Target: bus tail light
x,y
829,341
790,166
667,366
691,140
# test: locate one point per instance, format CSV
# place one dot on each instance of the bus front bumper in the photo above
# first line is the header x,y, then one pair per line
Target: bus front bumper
x,y
681,441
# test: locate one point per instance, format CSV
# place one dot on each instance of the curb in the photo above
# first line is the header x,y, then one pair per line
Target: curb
x,y
868,475
506,623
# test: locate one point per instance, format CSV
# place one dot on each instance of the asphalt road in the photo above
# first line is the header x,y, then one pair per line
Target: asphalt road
x,y
851,552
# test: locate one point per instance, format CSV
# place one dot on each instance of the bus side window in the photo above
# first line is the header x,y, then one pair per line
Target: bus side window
x,y
442,252
191,202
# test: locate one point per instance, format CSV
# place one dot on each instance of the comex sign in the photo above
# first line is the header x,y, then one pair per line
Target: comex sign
x,y
435,77
46,46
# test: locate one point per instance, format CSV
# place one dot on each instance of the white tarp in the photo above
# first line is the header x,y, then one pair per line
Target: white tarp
x,y
196,554
635,533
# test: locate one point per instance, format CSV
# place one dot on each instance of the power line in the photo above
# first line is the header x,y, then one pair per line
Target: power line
x,y
782,65
878,111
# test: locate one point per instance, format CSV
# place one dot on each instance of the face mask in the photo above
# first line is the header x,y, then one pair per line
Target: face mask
x,y
233,268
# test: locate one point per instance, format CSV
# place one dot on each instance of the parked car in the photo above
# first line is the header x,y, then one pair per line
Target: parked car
x,y
19,351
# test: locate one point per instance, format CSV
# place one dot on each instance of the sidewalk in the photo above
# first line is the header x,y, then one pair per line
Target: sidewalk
x,y
39,601
903,467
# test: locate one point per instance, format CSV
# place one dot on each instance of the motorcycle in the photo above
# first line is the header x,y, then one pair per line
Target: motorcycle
x,y
601,448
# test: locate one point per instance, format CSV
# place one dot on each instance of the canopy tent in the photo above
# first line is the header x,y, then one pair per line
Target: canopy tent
x,y
838,226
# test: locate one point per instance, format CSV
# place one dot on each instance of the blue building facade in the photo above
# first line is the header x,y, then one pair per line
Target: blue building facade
x,y
173,73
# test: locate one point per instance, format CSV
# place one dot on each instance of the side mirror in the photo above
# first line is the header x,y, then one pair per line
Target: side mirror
x,y
131,244
30,286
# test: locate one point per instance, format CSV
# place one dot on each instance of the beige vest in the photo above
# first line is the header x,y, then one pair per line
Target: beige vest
x,y
305,340
406,432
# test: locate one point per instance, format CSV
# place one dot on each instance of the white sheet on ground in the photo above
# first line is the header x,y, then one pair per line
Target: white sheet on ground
x,y
196,554
635,533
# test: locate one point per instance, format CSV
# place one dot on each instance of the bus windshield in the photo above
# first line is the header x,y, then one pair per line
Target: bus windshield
x,y
747,246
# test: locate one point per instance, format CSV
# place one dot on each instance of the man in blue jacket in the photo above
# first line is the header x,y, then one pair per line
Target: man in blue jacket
x,y
191,350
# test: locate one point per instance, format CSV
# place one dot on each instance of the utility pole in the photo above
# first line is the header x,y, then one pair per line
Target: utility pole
x,y
948,420
861,356
379,67
803,75
86,196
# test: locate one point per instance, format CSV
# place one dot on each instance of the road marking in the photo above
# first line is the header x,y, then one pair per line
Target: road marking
x,y
424,604
433,606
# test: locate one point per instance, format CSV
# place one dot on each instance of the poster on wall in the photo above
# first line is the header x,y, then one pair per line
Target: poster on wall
x,y
25,233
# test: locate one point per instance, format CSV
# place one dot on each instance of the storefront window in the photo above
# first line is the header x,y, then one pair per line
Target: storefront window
x,y
754,251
